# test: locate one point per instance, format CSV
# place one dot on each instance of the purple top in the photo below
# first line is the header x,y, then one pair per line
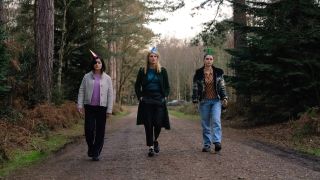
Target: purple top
x,y
95,100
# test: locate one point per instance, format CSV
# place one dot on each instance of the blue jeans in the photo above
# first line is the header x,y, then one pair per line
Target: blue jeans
x,y
210,112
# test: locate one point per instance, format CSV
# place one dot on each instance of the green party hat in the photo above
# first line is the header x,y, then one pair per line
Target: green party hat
x,y
208,51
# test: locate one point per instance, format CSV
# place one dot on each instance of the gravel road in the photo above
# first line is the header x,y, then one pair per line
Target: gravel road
x,y
124,156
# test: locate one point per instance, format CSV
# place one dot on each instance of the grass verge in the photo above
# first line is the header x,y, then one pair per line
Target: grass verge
x,y
181,115
312,151
121,114
42,147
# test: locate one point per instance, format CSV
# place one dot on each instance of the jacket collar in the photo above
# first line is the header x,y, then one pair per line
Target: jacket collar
x,y
202,68
92,74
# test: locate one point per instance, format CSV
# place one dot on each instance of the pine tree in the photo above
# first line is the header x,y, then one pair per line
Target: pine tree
x,y
72,41
44,47
4,63
4,59
278,69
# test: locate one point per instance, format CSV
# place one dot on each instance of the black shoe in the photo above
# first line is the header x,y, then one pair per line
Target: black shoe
x,y
95,158
90,153
206,149
156,147
151,152
217,146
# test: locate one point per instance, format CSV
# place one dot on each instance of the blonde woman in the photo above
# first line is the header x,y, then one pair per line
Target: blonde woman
x,y
152,89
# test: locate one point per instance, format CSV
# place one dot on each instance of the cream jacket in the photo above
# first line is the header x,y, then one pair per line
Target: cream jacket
x,y
86,90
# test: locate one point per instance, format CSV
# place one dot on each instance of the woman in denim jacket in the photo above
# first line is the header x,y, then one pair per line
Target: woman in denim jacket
x,y
95,99
209,90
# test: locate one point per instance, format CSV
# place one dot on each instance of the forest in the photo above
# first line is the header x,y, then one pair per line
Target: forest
x,y
269,51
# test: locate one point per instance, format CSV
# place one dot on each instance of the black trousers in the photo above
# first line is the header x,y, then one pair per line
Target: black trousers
x,y
152,122
94,128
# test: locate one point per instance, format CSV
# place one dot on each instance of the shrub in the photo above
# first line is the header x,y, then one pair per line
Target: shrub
x,y
309,123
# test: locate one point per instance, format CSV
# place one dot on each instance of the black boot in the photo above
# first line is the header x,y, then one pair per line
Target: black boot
x,y
151,152
95,158
217,146
156,147
206,149
90,152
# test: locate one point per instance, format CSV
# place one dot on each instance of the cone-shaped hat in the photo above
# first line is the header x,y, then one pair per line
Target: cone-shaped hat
x,y
208,51
154,50
94,54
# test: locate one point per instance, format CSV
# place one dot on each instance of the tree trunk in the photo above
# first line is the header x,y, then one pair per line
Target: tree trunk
x,y
62,46
124,74
119,75
178,82
113,68
112,61
93,23
1,12
239,17
44,44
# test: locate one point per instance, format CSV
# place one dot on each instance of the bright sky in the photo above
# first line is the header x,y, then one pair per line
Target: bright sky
x,y
182,25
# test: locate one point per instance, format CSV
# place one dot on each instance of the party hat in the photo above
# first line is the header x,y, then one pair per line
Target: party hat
x,y
94,54
208,51
154,50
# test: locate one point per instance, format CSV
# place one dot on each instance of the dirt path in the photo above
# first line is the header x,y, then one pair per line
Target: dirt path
x,y
125,157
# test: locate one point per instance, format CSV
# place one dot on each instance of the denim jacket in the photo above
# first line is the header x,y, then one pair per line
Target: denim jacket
x,y
199,84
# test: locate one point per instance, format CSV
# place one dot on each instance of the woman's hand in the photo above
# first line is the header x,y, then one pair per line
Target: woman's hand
x,y
225,103
80,110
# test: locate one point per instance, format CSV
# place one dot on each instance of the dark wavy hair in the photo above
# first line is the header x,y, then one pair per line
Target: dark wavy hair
x,y
205,55
94,61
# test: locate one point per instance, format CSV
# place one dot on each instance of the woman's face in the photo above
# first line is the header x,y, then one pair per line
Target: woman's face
x,y
98,64
153,59
208,60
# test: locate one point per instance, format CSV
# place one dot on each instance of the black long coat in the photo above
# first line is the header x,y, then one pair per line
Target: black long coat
x,y
140,84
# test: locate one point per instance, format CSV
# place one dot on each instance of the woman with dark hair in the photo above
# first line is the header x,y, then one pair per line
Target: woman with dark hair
x,y
152,88
95,100
210,92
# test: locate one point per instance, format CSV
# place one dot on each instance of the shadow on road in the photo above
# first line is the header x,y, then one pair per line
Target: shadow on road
x,y
305,160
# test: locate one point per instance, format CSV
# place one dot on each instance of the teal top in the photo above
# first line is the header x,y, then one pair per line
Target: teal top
x,y
142,83
153,84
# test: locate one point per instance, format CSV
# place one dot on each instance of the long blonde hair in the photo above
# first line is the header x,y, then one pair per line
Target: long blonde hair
x,y
158,65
